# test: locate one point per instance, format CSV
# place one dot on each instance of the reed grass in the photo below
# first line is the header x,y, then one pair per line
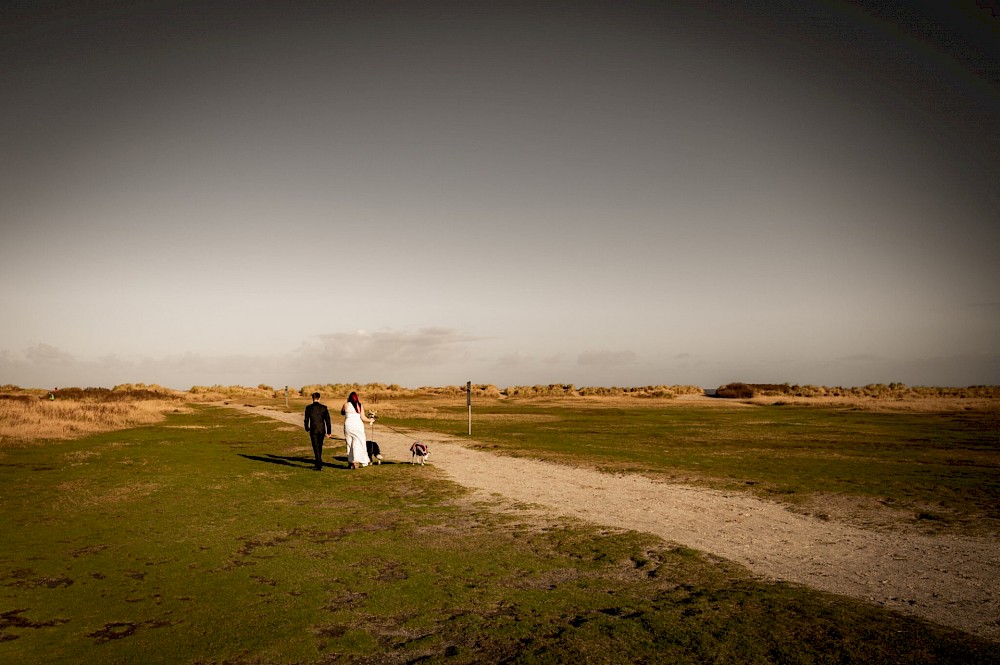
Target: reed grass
x,y
33,420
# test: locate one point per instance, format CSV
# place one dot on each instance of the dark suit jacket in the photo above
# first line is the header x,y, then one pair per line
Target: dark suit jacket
x,y
318,419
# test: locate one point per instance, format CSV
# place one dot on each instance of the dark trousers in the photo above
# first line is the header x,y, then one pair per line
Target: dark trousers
x,y
317,441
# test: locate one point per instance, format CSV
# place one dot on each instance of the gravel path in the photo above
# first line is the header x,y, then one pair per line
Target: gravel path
x,y
950,581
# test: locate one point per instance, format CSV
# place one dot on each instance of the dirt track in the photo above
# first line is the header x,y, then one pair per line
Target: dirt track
x,y
950,581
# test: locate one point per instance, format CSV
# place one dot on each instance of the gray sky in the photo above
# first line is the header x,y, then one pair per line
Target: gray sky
x,y
424,193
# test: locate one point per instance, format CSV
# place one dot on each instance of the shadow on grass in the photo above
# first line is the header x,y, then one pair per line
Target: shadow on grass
x,y
304,461
299,461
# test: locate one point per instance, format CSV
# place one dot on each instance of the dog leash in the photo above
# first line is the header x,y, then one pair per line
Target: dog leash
x,y
408,436
393,429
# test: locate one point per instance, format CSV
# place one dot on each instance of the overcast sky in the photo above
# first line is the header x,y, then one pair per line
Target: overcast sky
x,y
424,193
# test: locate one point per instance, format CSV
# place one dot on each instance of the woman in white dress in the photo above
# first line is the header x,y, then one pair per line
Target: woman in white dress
x,y
354,432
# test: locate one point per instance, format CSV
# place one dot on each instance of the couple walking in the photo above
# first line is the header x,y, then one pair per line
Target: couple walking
x,y
317,423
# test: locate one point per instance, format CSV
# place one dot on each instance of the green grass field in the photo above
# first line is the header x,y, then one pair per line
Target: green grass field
x,y
207,539
945,467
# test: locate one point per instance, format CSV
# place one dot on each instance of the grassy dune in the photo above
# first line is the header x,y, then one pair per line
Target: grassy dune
x,y
206,539
27,417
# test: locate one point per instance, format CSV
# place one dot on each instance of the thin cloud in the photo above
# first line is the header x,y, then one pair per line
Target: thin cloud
x,y
368,356
44,354
860,358
606,358
399,348
46,365
686,360
516,359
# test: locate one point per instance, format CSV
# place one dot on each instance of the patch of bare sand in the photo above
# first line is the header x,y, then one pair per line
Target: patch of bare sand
x,y
949,580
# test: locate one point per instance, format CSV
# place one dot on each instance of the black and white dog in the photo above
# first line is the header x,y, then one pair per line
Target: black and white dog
x,y
419,452
374,453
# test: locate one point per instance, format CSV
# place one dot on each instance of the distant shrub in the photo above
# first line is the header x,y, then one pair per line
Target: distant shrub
x,y
872,391
489,391
484,390
735,391
597,391
118,394
231,392
150,387
570,390
773,389
657,391
367,390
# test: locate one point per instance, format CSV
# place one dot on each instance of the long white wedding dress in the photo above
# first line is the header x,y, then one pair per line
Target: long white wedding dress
x,y
356,437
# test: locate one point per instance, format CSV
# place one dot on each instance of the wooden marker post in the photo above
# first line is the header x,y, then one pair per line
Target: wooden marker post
x,y
468,402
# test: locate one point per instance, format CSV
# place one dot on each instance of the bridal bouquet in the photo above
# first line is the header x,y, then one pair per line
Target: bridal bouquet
x,y
373,415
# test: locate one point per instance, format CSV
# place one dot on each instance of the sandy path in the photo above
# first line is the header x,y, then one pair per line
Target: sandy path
x,y
950,581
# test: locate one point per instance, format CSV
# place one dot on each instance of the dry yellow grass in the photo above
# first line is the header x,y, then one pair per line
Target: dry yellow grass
x,y
24,421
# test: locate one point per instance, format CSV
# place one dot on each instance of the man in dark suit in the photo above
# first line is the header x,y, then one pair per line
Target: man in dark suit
x,y
317,423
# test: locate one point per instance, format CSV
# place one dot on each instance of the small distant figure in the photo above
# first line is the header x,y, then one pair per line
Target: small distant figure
x,y
317,423
419,452
354,432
